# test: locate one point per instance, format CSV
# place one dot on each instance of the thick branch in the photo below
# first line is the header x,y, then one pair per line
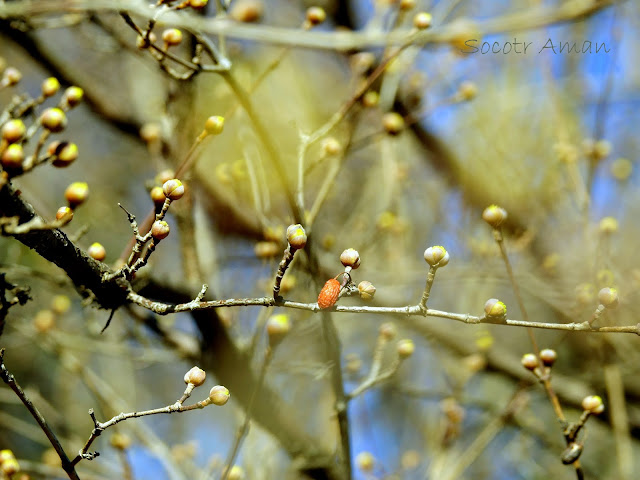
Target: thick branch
x,y
525,19
55,246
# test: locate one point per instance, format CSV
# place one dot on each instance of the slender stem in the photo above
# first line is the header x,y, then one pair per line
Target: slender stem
x,y
427,289
619,420
127,472
407,310
375,375
282,268
332,351
101,427
244,428
266,140
484,438
525,19
10,380
516,289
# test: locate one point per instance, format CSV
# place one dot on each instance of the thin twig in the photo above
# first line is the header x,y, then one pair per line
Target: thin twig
x,y
10,380
375,375
408,310
497,233
525,19
244,428
99,427
482,440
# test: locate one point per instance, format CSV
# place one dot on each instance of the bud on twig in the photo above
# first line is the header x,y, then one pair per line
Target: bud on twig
x,y
53,119
160,230
219,395
593,404
422,20
608,297
388,330
366,290
13,130
494,309
76,194
73,96
365,461
393,123
173,189
436,256
277,328
97,252
350,258
548,357
608,225
494,215
157,196
50,87
64,213
296,236
11,76
120,441
214,125
529,361
172,37
65,154
316,15
12,157
405,348
196,376
198,3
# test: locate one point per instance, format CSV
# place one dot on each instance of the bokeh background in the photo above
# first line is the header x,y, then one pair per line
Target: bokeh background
x,y
549,136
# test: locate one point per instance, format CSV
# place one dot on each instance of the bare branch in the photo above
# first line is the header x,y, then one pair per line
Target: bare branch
x,y
10,380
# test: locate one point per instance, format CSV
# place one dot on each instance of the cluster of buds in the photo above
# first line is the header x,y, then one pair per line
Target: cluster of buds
x,y
157,191
591,405
14,134
172,189
218,395
540,365
45,320
173,37
332,289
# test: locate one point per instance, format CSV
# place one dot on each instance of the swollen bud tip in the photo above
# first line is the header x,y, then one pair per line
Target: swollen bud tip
x,y
296,236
